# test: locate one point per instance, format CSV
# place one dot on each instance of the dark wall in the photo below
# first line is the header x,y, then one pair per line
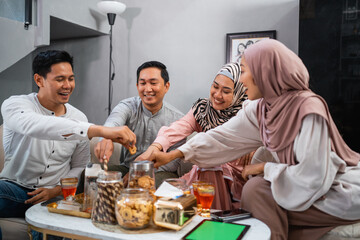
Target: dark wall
x,y
324,51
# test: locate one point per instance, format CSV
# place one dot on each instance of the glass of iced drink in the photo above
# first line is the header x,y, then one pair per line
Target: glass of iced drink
x,y
206,193
195,186
68,188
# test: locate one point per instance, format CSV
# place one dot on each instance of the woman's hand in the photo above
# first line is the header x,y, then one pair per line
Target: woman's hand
x,y
161,158
151,150
253,169
245,160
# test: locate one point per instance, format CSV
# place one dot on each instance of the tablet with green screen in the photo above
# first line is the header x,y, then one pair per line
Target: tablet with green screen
x,y
208,230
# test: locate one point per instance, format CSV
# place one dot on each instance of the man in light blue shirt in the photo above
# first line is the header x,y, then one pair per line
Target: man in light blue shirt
x,y
145,115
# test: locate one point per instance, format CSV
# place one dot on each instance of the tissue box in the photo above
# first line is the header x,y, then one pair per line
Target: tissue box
x,y
174,213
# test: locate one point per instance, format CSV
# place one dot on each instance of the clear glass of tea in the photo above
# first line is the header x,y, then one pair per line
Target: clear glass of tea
x,y
195,186
206,194
68,188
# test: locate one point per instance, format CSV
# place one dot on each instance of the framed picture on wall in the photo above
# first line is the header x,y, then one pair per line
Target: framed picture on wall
x,y
236,43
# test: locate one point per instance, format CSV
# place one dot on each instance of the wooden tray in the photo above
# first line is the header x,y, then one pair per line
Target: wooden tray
x,y
52,207
173,226
152,228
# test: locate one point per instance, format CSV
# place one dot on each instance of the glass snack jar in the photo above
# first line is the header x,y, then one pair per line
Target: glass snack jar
x,y
134,208
109,186
90,187
141,175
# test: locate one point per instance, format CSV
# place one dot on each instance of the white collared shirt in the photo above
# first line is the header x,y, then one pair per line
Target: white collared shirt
x,y
38,151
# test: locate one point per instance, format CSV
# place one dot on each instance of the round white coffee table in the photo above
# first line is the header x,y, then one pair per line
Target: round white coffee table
x,y
40,219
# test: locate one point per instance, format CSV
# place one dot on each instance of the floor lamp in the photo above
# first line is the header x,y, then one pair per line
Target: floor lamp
x,y
111,8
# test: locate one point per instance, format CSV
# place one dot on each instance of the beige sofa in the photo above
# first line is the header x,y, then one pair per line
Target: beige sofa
x,y
16,228
12,228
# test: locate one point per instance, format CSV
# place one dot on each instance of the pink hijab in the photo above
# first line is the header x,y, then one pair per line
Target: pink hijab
x,y
283,80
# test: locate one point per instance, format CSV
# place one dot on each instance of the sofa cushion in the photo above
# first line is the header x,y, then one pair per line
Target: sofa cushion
x,y
1,149
11,228
14,228
346,232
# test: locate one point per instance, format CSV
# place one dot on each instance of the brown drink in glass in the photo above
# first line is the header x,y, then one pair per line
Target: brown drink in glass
x,y
195,186
68,188
206,193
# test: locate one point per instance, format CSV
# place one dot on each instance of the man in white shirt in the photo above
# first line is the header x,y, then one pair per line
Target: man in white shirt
x,y
45,138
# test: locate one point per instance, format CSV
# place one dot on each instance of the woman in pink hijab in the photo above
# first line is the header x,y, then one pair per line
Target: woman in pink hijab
x,y
310,183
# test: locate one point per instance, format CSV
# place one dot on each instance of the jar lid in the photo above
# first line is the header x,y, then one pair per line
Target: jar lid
x,y
135,192
142,165
109,176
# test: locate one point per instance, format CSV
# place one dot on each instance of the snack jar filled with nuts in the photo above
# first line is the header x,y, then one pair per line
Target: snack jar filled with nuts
x,y
134,208
109,187
141,175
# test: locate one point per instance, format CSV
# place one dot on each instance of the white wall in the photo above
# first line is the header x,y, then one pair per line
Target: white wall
x,y
91,72
186,35
17,79
189,37
90,63
17,44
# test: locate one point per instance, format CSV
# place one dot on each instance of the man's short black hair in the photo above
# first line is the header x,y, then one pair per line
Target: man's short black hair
x,y
43,61
155,64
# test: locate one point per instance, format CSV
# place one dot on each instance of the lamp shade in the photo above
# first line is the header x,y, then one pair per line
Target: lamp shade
x,y
111,7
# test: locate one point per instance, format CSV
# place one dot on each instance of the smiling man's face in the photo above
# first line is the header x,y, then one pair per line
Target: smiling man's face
x,y
152,88
58,84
